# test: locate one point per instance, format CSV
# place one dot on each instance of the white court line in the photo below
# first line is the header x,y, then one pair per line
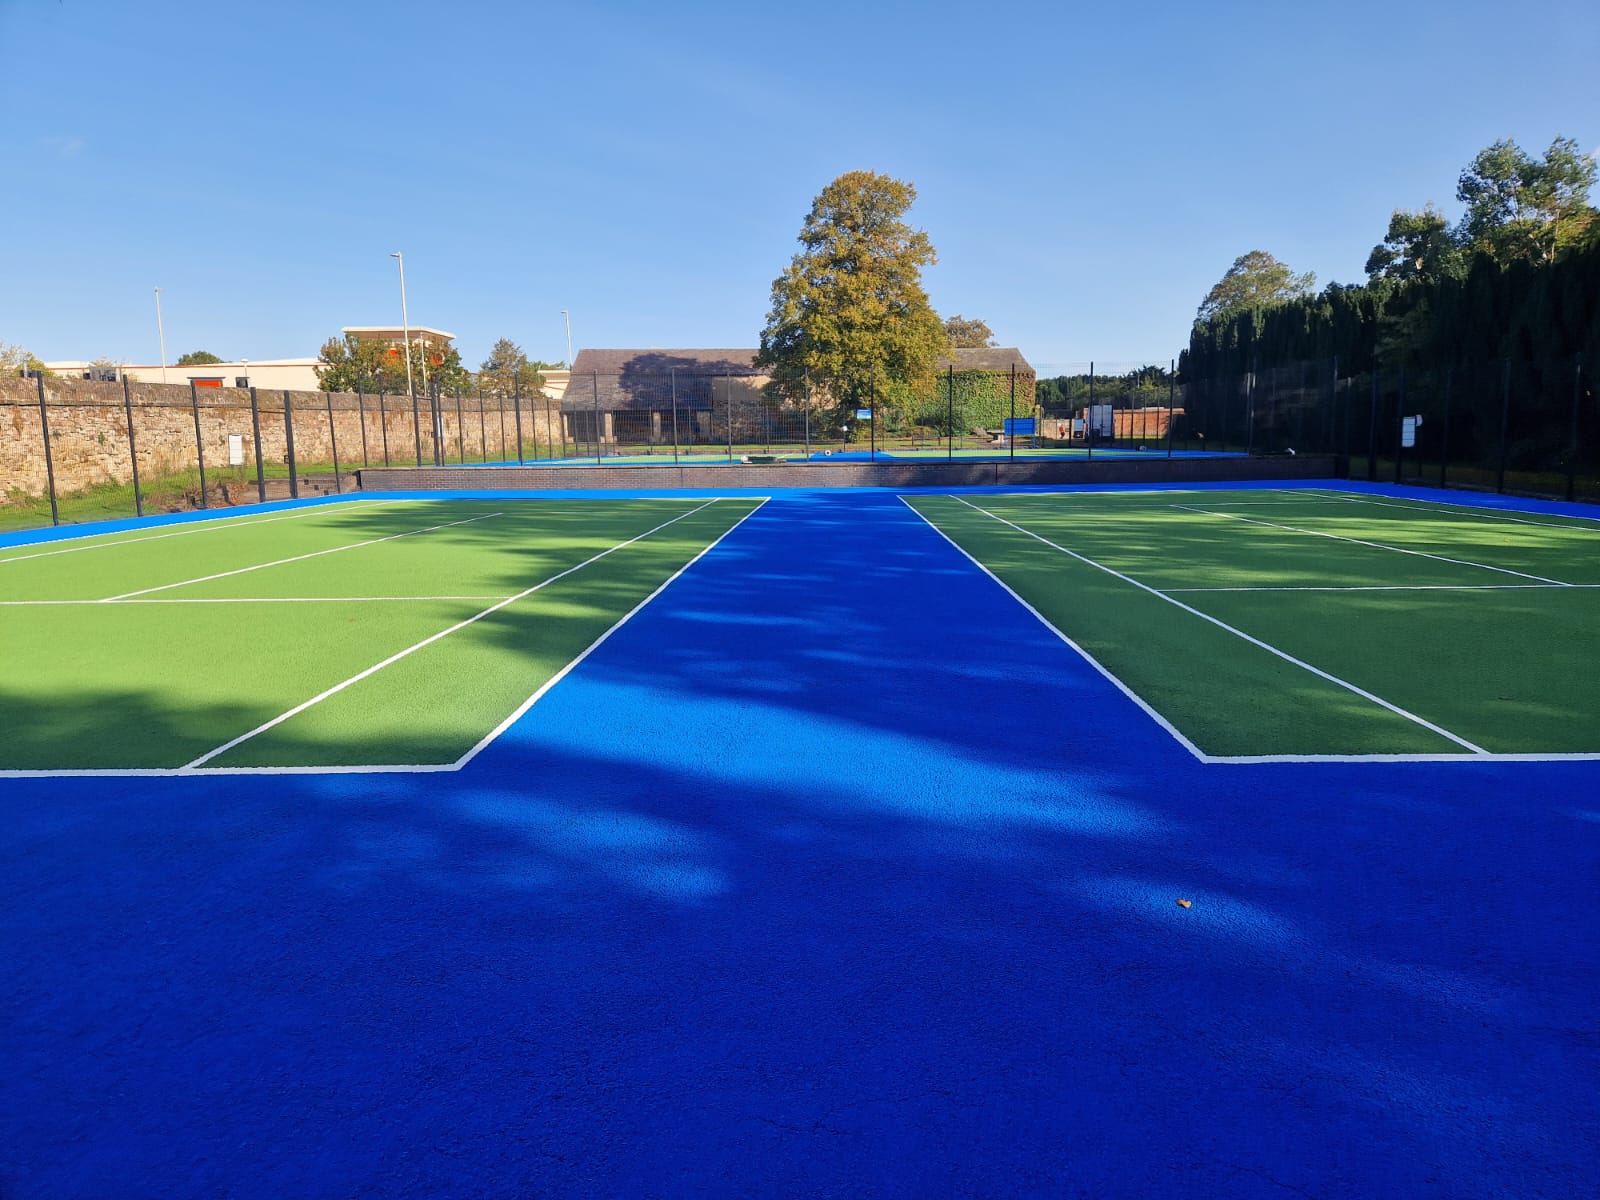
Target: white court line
x,y
295,558
1460,562
1401,587
247,600
1150,712
1487,514
1239,633
522,708
211,525
428,641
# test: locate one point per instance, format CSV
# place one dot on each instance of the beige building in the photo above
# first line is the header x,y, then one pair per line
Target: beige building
x,y
294,374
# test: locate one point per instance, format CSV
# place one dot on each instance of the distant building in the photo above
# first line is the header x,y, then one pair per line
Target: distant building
x,y
292,374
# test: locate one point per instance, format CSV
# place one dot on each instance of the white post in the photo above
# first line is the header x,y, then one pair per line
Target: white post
x,y
161,332
568,317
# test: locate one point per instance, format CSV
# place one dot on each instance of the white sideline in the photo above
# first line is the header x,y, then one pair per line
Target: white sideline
x,y
522,708
1239,633
245,600
1438,509
1399,587
296,558
212,525
1150,712
428,641
1460,562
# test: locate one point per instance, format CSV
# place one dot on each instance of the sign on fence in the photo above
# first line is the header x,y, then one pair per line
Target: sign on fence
x,y
1408,431
863,414
1021,426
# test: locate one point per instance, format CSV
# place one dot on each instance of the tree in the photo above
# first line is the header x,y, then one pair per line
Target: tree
x,y
1255,280
198,358
349,363
15,358
1521,207
849,315
507,367
967,335
1419,245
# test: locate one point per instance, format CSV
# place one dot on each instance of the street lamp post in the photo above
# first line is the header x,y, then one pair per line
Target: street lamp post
x,y
405,321
161,333
568,316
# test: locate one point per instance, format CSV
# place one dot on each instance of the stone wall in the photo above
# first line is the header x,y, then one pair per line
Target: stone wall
x,y
89,431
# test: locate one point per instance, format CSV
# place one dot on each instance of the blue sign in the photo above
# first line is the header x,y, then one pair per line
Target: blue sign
x,y
863,414
1021,427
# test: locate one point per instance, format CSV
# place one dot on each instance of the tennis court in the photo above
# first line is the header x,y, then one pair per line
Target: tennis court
x,y
804,843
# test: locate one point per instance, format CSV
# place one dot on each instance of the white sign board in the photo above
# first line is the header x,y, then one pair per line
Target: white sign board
x,y
1408,432
863,414
236,449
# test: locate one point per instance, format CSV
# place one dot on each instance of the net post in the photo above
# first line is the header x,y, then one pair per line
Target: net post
x,y
133,449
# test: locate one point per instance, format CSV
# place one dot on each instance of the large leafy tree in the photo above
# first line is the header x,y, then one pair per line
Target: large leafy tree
x,y
198,358
349,363
967,334
849,316
1418,246
1255,280
507,367
1522,207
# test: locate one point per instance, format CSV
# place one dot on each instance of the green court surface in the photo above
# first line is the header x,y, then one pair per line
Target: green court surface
x,y
372,633
1281,624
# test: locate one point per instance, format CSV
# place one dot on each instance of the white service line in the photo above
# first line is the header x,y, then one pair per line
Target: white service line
x,y
428,641
1460,562
1239,633
522,708
295,558
212,525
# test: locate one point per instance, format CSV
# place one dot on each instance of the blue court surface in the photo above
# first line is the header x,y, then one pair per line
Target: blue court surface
x,y
831,873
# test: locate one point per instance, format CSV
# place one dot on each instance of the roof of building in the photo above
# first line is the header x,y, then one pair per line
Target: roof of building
x,y
986,358
396,333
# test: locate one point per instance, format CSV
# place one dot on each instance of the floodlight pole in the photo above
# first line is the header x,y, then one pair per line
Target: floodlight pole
x,y
161,333
567,316
405,320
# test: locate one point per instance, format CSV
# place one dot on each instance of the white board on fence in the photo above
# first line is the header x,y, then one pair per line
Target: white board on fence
x,y
1408,432
236,449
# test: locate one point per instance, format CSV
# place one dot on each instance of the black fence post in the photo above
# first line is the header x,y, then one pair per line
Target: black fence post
x,y
594,386
483,427
516,406
255,428
1088,418
1400,424
441,443
808,418
672,381
1372,428
1250,408
1172,399
1011,442
1444,436
1333,410
461,431
1572,440
383,425
1505,423
950,414
561,422
872,421
361,408
199,442
133,450
49,456
416,420
288,439
727,395
333,446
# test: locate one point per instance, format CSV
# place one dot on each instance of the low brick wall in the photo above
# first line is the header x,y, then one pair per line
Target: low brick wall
x,y
898,474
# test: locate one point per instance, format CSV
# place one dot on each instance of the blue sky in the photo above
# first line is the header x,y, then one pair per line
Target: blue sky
x,y
1086,172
